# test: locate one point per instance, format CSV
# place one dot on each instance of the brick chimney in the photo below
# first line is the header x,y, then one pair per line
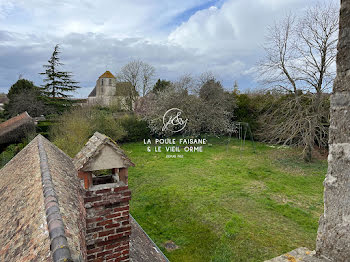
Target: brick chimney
x,y
107,220
103,168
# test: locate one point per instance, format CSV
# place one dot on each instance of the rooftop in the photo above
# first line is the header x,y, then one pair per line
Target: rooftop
x,y
42,216
100,150
107,74
16,127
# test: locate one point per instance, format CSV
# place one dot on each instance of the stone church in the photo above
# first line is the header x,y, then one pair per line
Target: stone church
x,y
109,92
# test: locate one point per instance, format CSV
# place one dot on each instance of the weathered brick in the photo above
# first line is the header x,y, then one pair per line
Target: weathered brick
x,y
114,255
121,218
92,199
106,233
122,188
116,236
118,230
118,214
92,220
95,250
124,208
112,225
92,230
104,253
115,245
106,222
103,191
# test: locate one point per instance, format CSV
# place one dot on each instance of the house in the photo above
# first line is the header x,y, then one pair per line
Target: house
x,y
110,92
54,208
16,128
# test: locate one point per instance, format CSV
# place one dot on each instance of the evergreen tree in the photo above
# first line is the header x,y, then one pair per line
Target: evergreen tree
x,y
161,85
58,83
20,86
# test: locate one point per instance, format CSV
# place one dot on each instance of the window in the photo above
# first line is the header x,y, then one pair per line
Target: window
x,y
102,82
110,82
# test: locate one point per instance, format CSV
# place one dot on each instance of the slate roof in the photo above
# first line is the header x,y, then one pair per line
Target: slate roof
x,y
16,127
93,147
107,74
93,92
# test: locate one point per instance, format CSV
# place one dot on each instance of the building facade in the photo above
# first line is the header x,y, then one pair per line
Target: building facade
x,y
109,92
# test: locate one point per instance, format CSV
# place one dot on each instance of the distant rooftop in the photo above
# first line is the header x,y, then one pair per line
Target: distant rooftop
x,y
16,128
107,74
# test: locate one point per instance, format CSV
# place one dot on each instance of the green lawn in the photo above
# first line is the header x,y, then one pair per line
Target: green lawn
x,y
227,204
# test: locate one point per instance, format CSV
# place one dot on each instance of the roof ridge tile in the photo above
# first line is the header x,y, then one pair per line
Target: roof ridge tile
x,y
59,245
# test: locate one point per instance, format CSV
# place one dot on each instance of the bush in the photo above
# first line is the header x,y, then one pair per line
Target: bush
x,y
12,150
136,129
76,126
43,127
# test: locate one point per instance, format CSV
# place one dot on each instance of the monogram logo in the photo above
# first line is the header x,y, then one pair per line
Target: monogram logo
x,y
173,122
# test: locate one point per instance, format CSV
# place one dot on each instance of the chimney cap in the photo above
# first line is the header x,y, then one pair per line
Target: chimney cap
x,y
101,152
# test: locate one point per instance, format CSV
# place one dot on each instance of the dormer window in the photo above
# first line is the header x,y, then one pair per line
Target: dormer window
x,y
102,82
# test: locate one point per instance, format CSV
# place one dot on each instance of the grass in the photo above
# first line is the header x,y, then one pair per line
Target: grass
x,y
227,204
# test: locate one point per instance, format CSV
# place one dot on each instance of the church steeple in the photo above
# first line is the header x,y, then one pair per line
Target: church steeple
x,y
105,85
107,74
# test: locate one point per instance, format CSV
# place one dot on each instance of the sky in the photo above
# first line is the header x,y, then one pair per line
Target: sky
x,y
179,37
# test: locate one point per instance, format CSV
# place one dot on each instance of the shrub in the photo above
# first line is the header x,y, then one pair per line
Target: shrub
x,y
13,149
43,127
76,126
136,129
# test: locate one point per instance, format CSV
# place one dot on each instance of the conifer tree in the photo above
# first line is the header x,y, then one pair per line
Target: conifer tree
x,y
58,83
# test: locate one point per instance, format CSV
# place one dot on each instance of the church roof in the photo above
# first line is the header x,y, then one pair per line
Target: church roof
x,y
93,92
107,74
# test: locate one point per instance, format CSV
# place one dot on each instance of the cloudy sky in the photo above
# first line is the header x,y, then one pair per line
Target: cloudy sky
x,y
177,37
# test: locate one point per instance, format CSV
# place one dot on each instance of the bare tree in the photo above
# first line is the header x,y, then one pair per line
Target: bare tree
x,y
147,72
299,61
139,74
207,112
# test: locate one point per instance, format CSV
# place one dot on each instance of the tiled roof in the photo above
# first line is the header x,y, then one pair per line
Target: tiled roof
x,y
107,74
142,248
36,186
23,230
42,209
16,127
92,149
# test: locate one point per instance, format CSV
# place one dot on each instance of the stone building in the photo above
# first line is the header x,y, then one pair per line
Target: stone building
x,y
110,92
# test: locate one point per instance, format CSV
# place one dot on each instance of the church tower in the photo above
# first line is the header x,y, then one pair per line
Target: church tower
x,y
105,90
105,85
108,92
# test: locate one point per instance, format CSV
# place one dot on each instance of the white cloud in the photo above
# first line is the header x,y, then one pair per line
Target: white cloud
x,y
5,7
100,35
238,26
